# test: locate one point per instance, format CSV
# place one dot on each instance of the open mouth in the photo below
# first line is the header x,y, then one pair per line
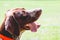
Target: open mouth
x,y
32,26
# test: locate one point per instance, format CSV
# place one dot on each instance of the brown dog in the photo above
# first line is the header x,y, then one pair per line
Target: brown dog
x,y
18,20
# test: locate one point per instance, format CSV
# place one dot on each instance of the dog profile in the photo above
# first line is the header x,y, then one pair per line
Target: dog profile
x,y
18,20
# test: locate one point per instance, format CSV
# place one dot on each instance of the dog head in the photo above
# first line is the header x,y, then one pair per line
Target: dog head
x,y
25,18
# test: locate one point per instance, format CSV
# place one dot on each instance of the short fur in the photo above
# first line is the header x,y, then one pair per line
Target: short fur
x,y
14,22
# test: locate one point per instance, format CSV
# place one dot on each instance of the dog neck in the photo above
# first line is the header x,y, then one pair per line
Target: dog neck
x,y
14,29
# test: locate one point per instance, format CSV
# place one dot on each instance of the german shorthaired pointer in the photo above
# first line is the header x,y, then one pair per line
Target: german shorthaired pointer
x,y
17,21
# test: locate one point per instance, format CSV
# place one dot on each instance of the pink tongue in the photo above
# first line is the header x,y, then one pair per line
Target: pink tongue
x,y
33,27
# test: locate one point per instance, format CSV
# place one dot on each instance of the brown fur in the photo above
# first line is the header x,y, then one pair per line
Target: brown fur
x,y
13,27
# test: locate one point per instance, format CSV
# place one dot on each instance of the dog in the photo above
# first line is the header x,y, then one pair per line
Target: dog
x,y
18,20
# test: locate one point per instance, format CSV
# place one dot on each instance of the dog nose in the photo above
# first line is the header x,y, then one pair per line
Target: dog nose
x,y
37,12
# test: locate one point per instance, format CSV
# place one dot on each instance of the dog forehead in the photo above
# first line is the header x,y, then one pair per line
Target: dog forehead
x,y
11,11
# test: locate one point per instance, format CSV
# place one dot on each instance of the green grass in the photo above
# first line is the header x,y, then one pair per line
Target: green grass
x,y
49,20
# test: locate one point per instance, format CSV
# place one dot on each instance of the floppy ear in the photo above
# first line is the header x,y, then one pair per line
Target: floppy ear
x,y
11,25
6,23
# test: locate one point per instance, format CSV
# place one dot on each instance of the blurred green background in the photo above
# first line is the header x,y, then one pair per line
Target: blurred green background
x,y
49,20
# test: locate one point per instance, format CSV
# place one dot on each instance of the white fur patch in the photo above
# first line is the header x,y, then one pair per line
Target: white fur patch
x,y
6,23
9,13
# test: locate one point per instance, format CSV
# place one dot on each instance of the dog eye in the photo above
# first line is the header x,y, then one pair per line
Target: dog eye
x,y
18,12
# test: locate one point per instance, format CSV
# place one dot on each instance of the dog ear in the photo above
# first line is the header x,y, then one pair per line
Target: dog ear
x,y
5,24
9,25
